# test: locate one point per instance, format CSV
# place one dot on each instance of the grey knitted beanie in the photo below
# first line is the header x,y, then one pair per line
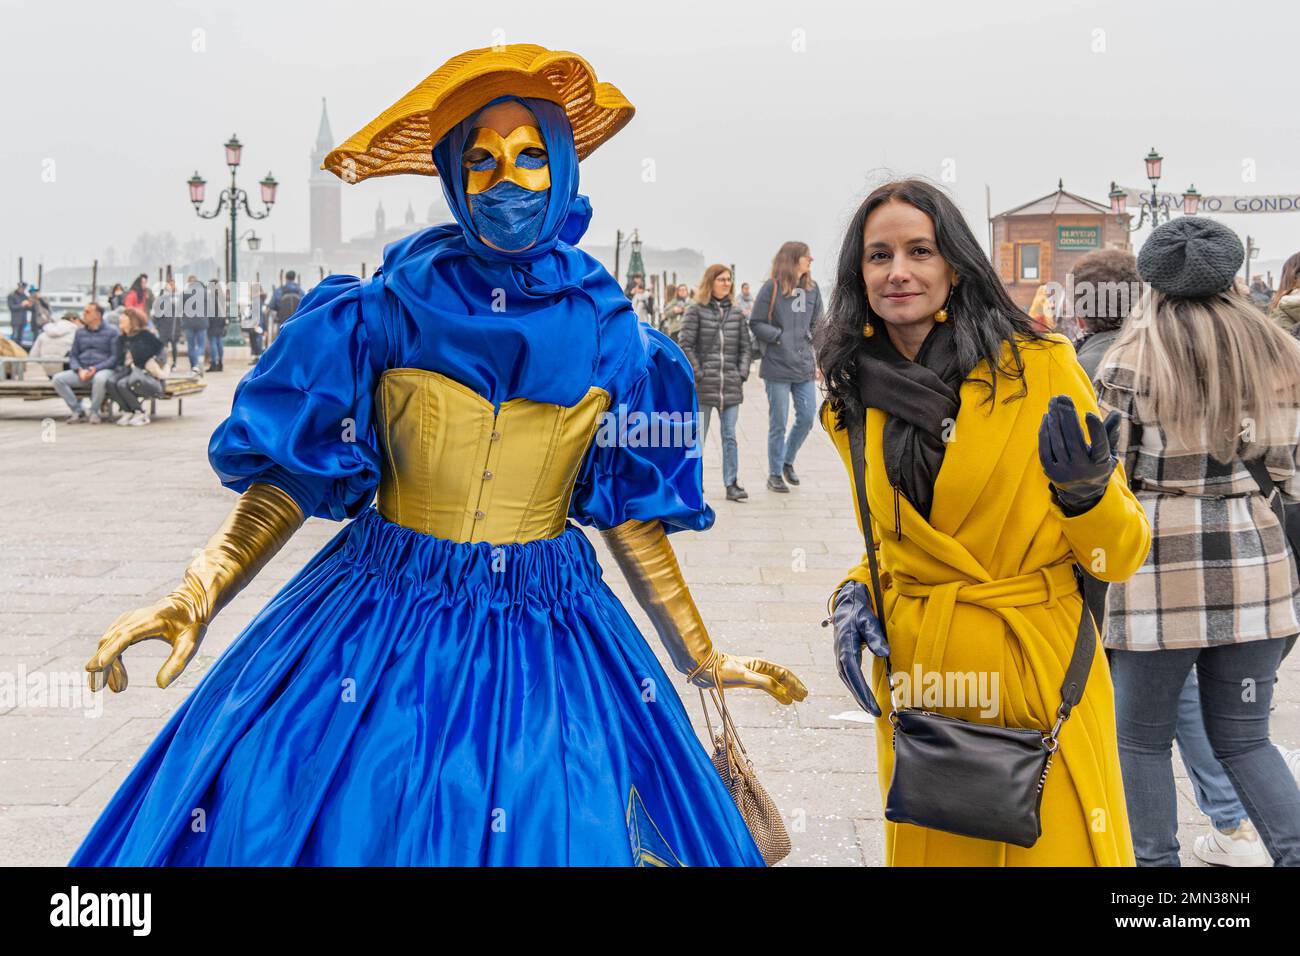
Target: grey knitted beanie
x,y
1191,257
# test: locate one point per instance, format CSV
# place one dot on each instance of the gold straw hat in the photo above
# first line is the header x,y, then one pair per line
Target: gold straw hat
x,y
400,139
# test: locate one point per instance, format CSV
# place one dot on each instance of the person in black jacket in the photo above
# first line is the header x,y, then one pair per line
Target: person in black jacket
x,y
783,330
167,310
20,307
194,322
218,320
715,341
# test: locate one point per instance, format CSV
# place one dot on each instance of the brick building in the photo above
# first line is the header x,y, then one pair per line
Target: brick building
x,y
1040,241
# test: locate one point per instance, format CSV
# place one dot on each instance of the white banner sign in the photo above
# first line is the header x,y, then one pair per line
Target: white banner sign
x,y
1276,202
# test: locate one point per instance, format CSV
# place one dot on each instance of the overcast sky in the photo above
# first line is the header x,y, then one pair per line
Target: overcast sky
x,y
765,121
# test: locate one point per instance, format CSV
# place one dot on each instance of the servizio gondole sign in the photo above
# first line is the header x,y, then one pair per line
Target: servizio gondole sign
x,y
1274,202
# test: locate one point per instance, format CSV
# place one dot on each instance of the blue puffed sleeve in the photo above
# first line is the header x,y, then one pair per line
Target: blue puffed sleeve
x,y
302,418
645,461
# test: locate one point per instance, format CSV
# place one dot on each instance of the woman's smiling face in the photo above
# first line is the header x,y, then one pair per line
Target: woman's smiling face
x,y
905,278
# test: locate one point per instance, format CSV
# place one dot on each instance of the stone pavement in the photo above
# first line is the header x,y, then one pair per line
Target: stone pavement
x,y
99,520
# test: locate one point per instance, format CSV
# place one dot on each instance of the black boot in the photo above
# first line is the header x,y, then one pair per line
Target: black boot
x,y
736,493
777,483
790,477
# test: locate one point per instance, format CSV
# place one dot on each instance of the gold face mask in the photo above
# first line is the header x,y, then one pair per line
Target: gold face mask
x,y
507,160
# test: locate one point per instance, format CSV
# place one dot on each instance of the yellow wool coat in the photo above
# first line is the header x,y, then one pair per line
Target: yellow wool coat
x,y
985,588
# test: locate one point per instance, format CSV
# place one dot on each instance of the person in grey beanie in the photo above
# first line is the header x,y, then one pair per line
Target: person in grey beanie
x,y
1218,596
1191,258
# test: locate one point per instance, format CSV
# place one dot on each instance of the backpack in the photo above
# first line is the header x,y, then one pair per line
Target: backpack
x,y
287,306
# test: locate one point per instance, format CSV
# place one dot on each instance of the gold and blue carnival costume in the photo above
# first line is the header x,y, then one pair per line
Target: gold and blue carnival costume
x,y
450,681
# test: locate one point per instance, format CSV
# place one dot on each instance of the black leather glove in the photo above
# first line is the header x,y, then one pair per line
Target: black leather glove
x,y
856,627
1078,471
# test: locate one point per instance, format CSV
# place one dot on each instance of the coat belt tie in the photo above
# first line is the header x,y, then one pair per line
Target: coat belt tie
x,y
1042,587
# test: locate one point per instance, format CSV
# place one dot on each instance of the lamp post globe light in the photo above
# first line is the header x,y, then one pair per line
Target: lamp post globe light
x,y
1151,205
234,197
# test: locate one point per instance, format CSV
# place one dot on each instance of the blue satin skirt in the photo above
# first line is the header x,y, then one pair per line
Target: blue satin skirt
x,y
406,700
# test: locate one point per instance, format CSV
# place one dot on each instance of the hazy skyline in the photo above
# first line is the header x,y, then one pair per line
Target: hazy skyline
x,y
760,122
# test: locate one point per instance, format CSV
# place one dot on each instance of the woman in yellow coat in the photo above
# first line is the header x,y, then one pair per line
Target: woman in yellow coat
x,y
984,492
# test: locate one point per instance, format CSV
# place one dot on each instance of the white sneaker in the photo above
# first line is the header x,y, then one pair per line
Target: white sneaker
x,y
1240,846
139,418
123,419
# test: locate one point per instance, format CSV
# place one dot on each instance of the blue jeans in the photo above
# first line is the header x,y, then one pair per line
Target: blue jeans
x,y
1236,684
1214,793
217,347
66,380
730,461
782,448
196,341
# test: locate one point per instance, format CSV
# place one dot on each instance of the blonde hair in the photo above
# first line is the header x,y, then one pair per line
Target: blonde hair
x,y
1215,364
704,294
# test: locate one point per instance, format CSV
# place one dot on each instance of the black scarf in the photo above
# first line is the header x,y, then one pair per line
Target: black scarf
x,y
921,398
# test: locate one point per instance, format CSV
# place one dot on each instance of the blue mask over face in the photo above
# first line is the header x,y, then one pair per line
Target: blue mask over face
x,y
509,216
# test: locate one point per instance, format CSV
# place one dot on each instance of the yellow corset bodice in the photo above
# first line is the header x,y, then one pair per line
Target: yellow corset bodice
x,y
457,468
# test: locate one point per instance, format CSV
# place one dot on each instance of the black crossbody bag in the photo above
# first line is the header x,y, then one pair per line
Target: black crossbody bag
x,y
975,780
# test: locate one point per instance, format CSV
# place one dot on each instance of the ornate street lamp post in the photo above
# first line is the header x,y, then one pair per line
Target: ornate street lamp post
x,y
234,197
1151,206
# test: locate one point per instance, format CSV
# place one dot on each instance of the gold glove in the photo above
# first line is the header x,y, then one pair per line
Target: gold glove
x,y
646,558
264,518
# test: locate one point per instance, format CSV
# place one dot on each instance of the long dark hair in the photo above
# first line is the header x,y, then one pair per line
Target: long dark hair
x,y
1289,281
982,315
785,268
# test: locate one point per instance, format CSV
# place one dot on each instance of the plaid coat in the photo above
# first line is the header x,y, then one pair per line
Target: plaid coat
x,y
1219,570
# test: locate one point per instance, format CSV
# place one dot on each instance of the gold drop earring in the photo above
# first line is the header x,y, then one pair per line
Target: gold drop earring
x,y
868,330
942,314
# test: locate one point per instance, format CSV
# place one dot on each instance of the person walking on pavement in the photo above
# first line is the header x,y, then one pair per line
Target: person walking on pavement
x,y
194,323
1106,288
716,343
786,311
284,302
675,311
139,296
1218,592
167,310
20,307
253,321
41,315
215,309
745,300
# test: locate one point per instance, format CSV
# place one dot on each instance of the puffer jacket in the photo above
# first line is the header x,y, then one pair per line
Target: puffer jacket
x,y
54,343
1287,312
786,340
716,343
